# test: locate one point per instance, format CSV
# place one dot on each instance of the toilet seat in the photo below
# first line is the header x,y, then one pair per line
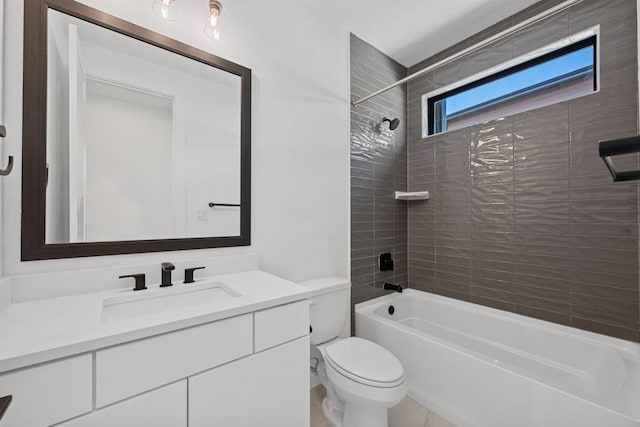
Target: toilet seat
x,y
365,362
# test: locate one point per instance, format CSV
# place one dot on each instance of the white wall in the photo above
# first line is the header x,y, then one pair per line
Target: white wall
x,y
300,183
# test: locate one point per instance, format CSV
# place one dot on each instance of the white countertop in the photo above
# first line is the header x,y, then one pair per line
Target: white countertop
x,y
44,330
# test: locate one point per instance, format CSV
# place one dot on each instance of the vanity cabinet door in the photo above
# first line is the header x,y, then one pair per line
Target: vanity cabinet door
x,y
130,369
165,407
48,394
267,389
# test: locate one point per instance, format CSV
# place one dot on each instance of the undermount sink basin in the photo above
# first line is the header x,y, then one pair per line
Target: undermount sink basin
x,y
164,300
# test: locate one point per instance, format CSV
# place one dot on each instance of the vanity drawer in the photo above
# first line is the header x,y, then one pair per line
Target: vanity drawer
x,y
48,394
278,325
129,369
165,407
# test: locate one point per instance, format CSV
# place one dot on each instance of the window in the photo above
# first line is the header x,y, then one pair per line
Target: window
x,y
565,73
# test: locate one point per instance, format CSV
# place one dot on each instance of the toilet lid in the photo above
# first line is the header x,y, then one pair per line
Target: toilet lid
x,y
365,362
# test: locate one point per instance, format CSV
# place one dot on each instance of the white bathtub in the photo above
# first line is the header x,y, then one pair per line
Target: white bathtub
x,y
480,367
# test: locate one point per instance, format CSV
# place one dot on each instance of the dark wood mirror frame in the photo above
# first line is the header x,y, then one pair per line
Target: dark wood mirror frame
x,y
34,134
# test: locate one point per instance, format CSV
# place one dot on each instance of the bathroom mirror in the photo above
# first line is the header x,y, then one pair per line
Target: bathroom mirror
x,y
132,142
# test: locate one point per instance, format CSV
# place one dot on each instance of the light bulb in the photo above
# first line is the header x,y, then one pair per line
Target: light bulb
x,y
165,9
212,27
213,20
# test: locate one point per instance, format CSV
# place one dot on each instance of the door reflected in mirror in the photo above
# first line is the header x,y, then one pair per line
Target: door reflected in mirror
x,y
140,140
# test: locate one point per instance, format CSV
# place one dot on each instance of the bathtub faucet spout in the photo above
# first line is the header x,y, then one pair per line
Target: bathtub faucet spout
x,y
392,287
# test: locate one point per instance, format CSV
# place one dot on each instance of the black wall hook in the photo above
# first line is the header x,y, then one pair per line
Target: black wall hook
x,y
617,147
9,168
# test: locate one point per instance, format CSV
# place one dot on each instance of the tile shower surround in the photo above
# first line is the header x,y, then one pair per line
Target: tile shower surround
x,y
378,168
524,216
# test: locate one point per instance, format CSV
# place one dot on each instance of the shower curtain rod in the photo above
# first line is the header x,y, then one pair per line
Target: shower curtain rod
x,y
549,12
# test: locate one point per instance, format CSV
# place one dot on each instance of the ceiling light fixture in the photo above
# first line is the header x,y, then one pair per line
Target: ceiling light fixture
x,y
212,27
165,9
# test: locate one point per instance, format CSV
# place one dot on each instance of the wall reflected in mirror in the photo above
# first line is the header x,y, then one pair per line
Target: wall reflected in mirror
x,y
139,140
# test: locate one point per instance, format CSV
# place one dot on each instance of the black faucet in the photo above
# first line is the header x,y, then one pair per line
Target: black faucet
x,y
166,269
392,287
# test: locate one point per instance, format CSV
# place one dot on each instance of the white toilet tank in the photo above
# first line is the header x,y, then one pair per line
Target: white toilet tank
x,y
329,309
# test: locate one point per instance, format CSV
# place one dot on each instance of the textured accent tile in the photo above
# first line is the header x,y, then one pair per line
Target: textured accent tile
x,y
605,328
549,305
543,282
535,266
603,12
621,313
541,33
617,294
379,163
491,294
524,216
488,302
549,316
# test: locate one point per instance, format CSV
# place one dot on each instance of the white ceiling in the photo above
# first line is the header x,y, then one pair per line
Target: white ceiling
x,y
412,30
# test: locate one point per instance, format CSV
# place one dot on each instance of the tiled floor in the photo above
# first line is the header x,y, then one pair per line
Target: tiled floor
x,y
407,413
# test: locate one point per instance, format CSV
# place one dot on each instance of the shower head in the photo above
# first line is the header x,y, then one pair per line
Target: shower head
x,y
393,123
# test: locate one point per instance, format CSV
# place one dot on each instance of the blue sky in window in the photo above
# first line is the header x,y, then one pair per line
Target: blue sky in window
x,y
520,80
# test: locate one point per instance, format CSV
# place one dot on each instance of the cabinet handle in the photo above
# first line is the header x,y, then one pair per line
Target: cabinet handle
x,y
4,404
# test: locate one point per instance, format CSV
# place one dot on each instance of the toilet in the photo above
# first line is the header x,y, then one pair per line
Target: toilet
x,y
363,380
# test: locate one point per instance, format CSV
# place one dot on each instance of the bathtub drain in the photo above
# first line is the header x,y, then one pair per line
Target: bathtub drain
x,y
391,309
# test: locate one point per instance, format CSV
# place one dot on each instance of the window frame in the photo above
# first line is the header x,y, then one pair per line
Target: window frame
x,y
590,37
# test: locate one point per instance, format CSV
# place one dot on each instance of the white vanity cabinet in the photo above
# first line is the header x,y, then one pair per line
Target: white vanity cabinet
x,y
251,369
48,394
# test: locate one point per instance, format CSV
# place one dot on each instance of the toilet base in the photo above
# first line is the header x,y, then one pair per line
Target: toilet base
x,y
331,413
364,416
354,415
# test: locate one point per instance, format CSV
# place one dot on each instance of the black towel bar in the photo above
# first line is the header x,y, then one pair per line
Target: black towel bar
x,y
213,205
617,147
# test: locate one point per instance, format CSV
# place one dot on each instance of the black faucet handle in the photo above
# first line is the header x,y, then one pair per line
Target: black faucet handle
x,y
188,274
140,281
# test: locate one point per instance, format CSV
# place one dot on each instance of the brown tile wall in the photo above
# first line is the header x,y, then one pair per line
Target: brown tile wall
x,y
524,216
378,168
